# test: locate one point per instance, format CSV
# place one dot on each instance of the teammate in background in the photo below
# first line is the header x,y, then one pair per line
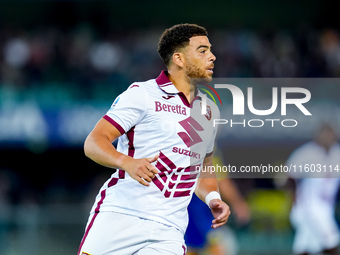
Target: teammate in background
x,y
142,208
312,214
200,237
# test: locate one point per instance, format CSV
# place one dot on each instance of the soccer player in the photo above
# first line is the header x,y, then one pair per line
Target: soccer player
x,y
162,144
312,213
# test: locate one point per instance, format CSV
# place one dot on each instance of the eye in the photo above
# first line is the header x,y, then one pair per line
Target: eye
x,y
203,51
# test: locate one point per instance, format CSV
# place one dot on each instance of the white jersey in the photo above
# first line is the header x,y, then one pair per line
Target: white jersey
x,y
312,214
321,185
155,118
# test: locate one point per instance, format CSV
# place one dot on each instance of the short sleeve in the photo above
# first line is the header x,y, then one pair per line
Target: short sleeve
x,y
128,109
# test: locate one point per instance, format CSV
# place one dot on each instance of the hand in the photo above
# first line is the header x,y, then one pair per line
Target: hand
x,y
141,169
220,211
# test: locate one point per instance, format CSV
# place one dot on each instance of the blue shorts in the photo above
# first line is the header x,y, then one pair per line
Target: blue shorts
x,y
200,220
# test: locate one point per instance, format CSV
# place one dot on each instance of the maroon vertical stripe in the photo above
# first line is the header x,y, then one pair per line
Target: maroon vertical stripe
x,y
130,135
121,174
112,182
103,194
183,249
87,232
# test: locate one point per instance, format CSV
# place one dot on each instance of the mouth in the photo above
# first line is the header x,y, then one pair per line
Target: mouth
x,y
210,70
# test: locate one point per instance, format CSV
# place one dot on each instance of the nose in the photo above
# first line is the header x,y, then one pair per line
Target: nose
x,y
212,58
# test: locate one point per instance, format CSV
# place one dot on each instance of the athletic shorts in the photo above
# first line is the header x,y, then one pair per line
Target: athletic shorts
x,y
316,229
110,233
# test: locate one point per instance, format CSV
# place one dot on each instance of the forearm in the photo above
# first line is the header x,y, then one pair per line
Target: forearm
x,y
100,149
205,185
207,190
207,181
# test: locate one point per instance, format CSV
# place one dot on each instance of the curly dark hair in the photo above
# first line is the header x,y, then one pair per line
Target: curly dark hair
x,y
177,37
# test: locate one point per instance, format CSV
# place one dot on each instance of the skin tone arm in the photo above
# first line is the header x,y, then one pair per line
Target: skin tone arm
x,y
206,184
98,147
231,194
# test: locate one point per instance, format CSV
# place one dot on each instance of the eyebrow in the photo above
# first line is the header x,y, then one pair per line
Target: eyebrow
x,y
204,46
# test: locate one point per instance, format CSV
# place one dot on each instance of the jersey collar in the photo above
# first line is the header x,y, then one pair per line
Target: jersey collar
x,y
168,87
165,84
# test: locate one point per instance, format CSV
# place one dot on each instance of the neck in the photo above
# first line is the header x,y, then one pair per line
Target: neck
x,y
182,83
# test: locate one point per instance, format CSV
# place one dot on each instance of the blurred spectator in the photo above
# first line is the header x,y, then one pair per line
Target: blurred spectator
x,y
330,46
313,210
85,57
16,52
105,56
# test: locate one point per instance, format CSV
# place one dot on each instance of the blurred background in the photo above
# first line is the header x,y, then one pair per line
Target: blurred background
x,y
62,63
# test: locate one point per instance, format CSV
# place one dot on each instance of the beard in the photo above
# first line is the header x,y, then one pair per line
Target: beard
x,y
197,74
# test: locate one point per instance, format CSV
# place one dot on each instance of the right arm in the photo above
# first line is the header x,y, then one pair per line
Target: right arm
x,y
98,147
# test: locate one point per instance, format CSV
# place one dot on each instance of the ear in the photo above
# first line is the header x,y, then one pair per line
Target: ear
x,y
178,59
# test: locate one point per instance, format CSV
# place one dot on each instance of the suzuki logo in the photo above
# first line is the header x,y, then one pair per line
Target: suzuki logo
x,y
190,137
